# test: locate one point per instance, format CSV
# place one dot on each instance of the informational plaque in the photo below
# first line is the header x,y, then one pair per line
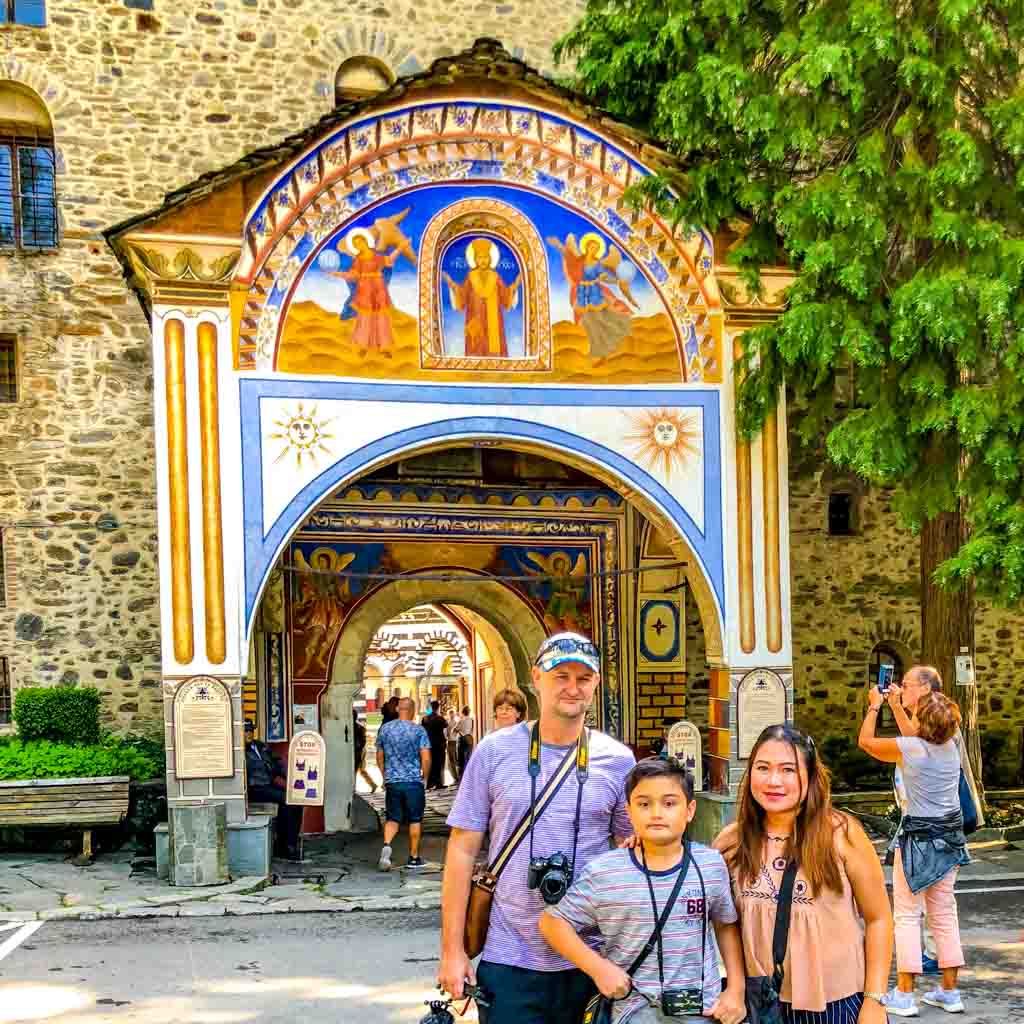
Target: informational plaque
x,y
307,759
760,702
203,747
305,716
685,746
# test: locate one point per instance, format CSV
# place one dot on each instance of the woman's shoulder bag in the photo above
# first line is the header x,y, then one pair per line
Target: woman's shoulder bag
x,y
764,994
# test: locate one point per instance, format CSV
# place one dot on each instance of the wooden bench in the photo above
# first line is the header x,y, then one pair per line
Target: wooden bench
x,y
82,803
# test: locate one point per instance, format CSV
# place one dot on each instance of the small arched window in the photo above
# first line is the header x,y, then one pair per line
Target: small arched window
x,y
28,193
883,655
359,78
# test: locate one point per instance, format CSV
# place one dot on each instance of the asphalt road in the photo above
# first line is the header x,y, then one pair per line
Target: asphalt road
x,y
359,968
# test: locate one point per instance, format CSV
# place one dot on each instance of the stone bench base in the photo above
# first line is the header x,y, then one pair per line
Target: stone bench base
x,y
249,847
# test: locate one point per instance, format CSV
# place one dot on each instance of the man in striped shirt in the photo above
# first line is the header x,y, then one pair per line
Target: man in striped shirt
x,y
528,983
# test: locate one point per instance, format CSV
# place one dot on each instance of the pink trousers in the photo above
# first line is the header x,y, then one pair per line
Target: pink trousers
x,y
940,903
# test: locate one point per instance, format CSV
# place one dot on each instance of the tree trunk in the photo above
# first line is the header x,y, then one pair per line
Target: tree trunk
x,y
947,622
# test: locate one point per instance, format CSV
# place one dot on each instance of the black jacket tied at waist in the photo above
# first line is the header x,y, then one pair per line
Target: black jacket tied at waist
x,y
931,847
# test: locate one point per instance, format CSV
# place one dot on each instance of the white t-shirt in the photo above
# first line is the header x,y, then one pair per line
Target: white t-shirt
x,y
464,726
930,776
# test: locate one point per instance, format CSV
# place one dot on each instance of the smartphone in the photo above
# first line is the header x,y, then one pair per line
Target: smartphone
x,y
885,677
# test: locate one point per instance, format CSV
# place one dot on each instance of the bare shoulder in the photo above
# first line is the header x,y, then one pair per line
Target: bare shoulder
x,y
850,838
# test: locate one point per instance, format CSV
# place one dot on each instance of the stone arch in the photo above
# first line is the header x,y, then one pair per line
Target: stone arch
x,y
389,48
517,624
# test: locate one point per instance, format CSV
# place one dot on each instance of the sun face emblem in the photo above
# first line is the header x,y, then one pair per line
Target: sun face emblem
x,y
663,439
303,435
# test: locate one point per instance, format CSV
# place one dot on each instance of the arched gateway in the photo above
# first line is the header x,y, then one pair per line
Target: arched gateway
x,y
426,351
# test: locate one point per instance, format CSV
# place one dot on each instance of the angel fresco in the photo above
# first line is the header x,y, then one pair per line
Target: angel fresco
x,y
568,589
483,298
374,252
592,270
317,614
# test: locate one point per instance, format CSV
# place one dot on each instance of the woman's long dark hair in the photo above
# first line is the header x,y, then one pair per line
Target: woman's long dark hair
x,y
813,840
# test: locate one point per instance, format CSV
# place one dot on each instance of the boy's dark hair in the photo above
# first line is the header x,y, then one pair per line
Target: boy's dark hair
x,y
660,768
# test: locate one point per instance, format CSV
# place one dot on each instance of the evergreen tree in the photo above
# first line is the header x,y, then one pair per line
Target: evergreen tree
x,y
875,146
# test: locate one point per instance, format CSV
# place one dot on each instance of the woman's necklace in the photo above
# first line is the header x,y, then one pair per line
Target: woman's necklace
x,y
778,839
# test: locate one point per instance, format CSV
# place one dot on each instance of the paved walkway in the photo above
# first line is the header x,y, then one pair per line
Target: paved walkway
x,y
338,874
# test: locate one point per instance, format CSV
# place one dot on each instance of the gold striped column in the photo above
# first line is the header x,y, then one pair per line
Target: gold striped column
x,y
213,539
177,490
745,538
772,536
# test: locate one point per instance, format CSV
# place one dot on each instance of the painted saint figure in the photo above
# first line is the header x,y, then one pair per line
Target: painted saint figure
x,y
369,300
318,613
568,583
591,273
483,298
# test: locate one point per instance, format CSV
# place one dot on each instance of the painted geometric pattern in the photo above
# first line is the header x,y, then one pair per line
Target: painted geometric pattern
x,y
400,150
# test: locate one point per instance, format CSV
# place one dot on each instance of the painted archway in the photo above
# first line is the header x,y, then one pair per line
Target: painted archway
x,y
509,614
701,549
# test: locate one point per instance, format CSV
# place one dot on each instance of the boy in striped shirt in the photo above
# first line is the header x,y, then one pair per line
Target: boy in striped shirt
x,y
621,894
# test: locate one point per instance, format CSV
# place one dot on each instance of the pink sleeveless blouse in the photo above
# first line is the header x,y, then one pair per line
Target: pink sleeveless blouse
x,y
825,956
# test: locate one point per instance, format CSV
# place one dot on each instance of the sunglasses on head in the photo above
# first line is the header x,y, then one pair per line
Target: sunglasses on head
x,y
567,645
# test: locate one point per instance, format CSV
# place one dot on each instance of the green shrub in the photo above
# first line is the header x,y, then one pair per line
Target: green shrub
x,y
62,714
42,759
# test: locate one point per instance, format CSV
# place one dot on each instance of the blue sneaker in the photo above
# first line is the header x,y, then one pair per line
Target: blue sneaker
x,y
901,1004
929,965
949,1001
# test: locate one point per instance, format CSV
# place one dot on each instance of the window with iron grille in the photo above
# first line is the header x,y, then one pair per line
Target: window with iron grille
x,y
3,572
28,193
23,12
5,693
8,368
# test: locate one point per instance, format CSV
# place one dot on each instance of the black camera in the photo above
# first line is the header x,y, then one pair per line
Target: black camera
x,y
682,1002
551,875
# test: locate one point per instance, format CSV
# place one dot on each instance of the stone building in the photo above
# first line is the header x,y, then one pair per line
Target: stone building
x,y
173,120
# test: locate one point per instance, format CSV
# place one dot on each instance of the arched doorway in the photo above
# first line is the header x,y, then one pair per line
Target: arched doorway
x,y
511,617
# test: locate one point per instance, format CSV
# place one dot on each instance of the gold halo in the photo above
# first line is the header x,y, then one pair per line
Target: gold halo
x,y
330,552
592,236
495,254
360,233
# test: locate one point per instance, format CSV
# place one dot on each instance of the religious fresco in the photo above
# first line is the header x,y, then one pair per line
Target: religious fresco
x,y
483,278
551,561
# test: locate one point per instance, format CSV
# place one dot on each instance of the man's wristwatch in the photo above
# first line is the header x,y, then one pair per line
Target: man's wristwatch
x,y
879,997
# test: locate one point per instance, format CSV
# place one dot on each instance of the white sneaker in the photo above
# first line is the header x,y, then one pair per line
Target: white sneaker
x,y
901,1004
949,1001
384,864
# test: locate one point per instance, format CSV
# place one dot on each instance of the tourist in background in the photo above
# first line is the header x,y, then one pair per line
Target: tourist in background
x,y
509,708
389,712
359,749
840,937
931,845
452,742
267,779
403,757
464,732
436,728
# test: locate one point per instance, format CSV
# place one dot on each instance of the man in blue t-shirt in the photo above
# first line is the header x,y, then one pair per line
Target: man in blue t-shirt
x,y
403,757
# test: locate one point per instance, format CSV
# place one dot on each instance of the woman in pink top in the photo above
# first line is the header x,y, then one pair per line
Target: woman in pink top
x,y
840,938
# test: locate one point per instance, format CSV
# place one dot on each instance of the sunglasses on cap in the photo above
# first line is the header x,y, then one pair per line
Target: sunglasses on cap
x,y
567,645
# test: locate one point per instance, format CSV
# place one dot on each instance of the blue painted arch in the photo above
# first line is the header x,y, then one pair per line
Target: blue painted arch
x,y
263,546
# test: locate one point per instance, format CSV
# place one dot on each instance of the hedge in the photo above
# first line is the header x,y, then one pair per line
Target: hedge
x,y
62,714
41,759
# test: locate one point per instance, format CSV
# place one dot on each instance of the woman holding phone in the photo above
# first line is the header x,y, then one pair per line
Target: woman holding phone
x,y
931,845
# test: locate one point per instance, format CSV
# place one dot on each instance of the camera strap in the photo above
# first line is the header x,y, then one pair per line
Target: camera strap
x,y
582,770
490,879
662,919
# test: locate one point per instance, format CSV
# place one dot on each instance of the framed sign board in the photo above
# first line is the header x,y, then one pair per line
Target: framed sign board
x,y
760,702
685,746
307,760
203,747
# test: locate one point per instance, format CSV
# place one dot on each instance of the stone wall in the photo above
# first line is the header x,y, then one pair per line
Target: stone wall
x,y
851,593
145,96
